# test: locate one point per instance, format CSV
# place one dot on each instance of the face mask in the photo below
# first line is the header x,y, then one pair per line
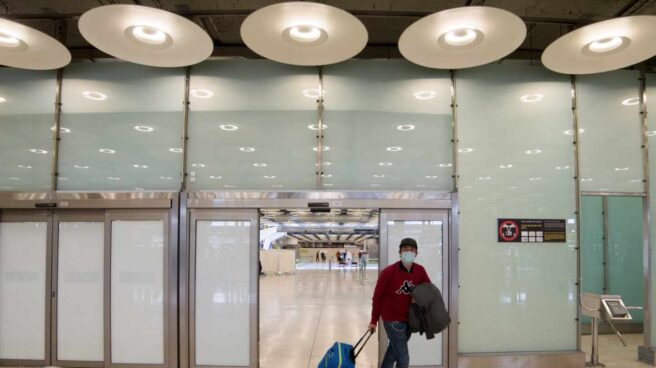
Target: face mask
x,y
408,257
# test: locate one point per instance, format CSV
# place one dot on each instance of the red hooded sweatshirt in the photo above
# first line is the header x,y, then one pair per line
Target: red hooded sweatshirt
x,y
393,293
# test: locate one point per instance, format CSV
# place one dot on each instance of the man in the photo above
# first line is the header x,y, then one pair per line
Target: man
x,y
391,302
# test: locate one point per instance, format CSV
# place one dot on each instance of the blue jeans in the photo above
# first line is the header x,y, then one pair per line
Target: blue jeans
x,y
397,350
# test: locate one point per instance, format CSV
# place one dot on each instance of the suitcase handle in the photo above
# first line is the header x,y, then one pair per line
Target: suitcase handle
x,y
353,353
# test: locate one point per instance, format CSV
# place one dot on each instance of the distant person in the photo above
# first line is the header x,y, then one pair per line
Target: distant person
x,y
349,258
362,262
317,257
323,256
391,302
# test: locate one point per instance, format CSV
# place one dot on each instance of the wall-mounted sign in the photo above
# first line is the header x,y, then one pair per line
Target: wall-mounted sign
x,y
531,231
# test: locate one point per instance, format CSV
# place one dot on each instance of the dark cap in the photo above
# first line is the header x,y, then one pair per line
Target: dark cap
x,y
408,242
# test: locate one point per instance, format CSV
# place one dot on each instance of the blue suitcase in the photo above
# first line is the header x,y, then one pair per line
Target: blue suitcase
x,y
342,355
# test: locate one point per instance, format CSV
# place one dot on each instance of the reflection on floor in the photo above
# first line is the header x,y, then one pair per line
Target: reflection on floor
x,y
301,316
613,354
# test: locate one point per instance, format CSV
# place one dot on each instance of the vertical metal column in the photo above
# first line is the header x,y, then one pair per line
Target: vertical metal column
x,y
60,31
319,171
577,191
604,214
454,281
454,129
646,208
185,128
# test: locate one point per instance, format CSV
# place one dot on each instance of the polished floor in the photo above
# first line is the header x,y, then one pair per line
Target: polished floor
x,y
302,315
613,354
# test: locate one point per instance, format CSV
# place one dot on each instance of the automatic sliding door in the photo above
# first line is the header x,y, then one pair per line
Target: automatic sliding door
x,y
223,288
24,289
430,230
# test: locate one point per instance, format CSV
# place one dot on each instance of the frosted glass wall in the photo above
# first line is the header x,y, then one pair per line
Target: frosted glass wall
x,y
27,115
651,134
515,161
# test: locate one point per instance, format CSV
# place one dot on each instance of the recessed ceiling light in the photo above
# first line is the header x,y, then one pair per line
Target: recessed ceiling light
x,y
650,133
228,127
460,37
466,150
14,178
269,176
379,175
8,41
533,152
106,150
176,150
143,128
505,166
304,35
37,150
311,93
571,131
247,149
631,101
405,127
215,177
201,93
621,169
62,178
198,165
137,166
587,179
323,148
484,177
166,177
393,149
636,180
605,45
448,164
316,126
259,164
325,163
326,175
534,179
533,97
28,48
562,167
2,99
113,178
25,166
61,130
95,96
148,35
425,95
431,176
385,164
81,166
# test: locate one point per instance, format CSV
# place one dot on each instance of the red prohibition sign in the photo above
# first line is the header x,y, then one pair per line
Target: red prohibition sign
x,y
505,225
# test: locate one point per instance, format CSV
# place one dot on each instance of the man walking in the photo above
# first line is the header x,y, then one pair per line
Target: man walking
x,y
391,302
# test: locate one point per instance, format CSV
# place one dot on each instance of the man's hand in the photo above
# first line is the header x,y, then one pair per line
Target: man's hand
x,y
372,328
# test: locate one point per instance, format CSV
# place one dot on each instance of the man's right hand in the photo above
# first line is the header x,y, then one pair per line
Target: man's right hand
x,y
372,328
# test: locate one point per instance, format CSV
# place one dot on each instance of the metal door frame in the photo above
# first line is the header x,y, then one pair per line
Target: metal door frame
x,y
418,215
251,215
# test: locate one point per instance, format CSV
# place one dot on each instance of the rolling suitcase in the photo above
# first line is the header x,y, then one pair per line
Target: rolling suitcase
x,y
342,355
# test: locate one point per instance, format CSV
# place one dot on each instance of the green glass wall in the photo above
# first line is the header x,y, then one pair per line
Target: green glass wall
x,y
592,245
651,136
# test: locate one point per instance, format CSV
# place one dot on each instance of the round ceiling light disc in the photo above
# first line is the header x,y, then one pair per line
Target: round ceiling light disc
x,y
304,33
604,46
462,37
26,48
146,36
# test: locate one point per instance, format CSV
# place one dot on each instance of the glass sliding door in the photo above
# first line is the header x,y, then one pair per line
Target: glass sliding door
x,y
431,231
223,288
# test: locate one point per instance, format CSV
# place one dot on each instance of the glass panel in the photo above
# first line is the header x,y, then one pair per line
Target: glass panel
x,y
248,112
592,246
123,127
388,126
137,292
651,106
515,162
428,235
80,291
625,268
22,290
610,144
223,293
27,113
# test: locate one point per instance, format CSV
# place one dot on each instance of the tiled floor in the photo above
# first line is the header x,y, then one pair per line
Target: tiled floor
x,y
613,354
301,316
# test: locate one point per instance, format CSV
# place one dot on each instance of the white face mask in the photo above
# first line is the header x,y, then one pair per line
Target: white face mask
x,y
408,257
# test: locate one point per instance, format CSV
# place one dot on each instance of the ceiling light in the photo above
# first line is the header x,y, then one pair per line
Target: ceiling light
x,y
198,165
304,35
605,45
562,167
323,148
106,150
2,99
425,95
533,97
393,149
631,101
176,150
460,37
588,179
571,131
379,176
137,166
259,164
466,150
431,176
246,149
36,150
113,178
269,176
81,166
421,185
62,178
25,166
166,177
228,186
228,127
311,93
484,177
326,175
385,164
143,128
201,93
636,180
405,127
446,164
27,48
8,41
650,133
61,130
534,179
327,185
325,163
505,166
215,177
148,34
14,178
96,96
533,152
621,169
316,126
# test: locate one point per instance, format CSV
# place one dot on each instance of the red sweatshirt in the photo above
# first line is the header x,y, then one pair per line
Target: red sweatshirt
x,y
393,293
